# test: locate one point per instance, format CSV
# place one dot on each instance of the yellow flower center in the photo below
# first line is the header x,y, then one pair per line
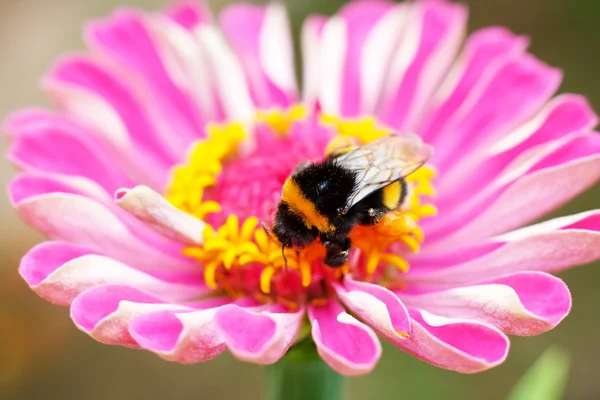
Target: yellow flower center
x,y
243,258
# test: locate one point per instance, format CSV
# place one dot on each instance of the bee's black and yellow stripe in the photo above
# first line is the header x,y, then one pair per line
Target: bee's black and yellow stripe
x,y
299,204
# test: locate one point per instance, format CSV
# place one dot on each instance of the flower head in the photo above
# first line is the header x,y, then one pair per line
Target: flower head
x,y
195,125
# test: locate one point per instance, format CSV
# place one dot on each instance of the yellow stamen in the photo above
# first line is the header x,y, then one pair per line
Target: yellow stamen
x,y
209,275
280,121
365,129
204,163
265,279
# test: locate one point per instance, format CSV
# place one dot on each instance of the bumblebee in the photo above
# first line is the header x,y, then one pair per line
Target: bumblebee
x,y
350,187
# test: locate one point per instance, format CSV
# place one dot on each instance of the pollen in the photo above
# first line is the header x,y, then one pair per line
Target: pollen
x,y
189,181
280,121
397,232
365,130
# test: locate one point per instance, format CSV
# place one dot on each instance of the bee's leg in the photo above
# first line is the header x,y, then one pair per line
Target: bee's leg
x,y
337,252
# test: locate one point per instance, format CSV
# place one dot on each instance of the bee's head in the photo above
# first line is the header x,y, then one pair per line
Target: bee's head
x,y
290,229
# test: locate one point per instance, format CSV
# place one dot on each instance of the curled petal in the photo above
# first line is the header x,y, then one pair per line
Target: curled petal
x,y
261,37
186,337
347,345
376,306
157,212
105,312
459,345
525,303
256,336
59,271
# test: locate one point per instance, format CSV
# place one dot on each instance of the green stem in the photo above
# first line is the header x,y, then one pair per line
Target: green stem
x,y
300,375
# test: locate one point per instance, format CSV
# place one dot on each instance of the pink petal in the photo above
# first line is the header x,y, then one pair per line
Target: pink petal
x,y
185,337
356,47
84,221
484,50
262,337
73,151
189,14
377,306
310,41
127,39
525,303
154,210
564,115
432,39
509,96
59,271
459,345
260,35
531,187
347,345
548,247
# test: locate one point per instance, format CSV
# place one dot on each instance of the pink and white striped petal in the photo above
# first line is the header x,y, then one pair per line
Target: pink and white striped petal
x,y
128,39
356,47
484,51
81,220
59,271
310,41
509,96
261,38
565,115
536,183
429,46
347,345
550,247
258,336
456,344
155,211
524,303
74,152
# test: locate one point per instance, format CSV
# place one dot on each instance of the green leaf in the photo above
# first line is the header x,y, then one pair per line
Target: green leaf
x,y
302,374
546,379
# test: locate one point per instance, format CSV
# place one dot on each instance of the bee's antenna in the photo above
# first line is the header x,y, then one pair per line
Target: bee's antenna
x,y
267,230
283,254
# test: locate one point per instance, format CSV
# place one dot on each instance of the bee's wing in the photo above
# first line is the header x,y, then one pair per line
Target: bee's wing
x,y
384,161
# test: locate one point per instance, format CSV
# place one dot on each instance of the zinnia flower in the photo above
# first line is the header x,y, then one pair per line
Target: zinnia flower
x,y
194,125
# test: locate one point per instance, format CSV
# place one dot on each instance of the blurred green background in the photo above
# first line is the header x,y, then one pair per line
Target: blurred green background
x,y
43,356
